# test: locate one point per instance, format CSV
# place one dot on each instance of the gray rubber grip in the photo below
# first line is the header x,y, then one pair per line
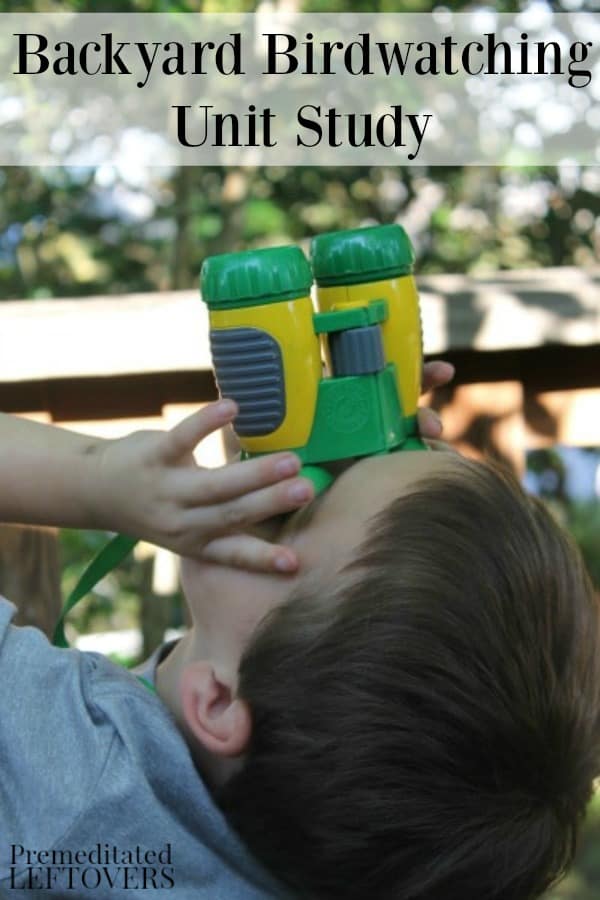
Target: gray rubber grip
x,y
249,369
357,351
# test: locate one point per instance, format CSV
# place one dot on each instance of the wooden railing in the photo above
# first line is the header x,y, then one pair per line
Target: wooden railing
x,y
526,346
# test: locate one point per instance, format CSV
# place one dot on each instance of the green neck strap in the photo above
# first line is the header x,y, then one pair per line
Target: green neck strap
x,y
146,683
111,556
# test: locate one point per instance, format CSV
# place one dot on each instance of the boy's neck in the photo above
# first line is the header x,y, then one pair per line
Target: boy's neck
x,y
167,677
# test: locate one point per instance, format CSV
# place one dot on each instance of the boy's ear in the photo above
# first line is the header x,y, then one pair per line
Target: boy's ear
x,y
218,719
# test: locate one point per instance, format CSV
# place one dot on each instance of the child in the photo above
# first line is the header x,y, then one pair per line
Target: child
x,y
413,712
99,795
419,717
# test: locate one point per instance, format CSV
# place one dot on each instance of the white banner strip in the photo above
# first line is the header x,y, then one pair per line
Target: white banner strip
x,y
477,88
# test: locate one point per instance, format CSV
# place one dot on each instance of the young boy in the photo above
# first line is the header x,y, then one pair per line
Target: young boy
x,y
413,712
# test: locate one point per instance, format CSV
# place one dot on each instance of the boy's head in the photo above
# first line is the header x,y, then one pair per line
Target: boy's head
x,y
418,716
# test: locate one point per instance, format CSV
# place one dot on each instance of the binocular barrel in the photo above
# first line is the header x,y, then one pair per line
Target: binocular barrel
x,y
265,352
354,268
269,345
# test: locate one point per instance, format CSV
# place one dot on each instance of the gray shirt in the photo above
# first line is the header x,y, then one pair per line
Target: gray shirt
x,y
99,796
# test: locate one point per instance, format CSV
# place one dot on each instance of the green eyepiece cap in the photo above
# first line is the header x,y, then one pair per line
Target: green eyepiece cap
x,y
255,277
360,255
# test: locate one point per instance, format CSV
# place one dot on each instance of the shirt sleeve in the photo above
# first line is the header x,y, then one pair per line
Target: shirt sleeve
x,y
54,742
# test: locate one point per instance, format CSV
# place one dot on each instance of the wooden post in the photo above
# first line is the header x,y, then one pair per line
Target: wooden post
x,y
563,417
485,419
30,574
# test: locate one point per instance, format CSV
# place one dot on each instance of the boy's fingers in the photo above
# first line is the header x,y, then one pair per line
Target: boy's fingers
x,y
436,373
252,553
430,424
206,487
236,515
184,437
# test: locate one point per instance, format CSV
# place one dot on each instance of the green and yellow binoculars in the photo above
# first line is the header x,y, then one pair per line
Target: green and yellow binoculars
x,y
336,380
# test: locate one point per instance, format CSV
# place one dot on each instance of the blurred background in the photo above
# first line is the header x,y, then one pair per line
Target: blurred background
x,y
76,244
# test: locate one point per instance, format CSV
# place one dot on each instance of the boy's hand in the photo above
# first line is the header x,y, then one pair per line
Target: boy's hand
x,y
150,486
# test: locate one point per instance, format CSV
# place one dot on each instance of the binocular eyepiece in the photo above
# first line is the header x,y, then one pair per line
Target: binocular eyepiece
x,y
338,381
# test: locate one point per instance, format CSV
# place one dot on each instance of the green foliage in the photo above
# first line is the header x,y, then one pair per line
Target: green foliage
x,y
102,6
115,602
76,233
580,517
584,524
583,882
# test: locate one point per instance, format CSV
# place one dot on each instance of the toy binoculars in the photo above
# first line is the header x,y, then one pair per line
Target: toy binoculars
x,y
336,382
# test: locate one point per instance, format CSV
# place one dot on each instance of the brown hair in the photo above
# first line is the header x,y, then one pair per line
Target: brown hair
x,y
429,728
